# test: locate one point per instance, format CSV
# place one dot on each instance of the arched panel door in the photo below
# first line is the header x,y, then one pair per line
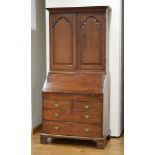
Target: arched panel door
x,y
91,41
62,41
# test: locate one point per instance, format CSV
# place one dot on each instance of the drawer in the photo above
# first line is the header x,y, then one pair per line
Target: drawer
x,y
72,97
50,104
72,116
72,129
86,106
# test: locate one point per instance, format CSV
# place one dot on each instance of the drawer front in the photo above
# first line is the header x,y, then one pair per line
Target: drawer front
x,y
72,97
72,129
50,104
87,106
72,116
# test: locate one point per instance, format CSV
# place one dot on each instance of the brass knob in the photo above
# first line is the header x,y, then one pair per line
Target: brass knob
x,y
56,104
87,116
101,97
86,129
56,115
56,128
86,106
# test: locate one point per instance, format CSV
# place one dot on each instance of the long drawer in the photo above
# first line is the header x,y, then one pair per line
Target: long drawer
x,y
72,97
72,129
74,116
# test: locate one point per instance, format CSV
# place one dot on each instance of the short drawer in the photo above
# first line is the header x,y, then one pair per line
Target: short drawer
x,y
72,129
72,116
86,106
50,104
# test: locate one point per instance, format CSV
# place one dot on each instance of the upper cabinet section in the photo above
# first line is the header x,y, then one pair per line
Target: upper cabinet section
x,y
77,38
91,41
62,50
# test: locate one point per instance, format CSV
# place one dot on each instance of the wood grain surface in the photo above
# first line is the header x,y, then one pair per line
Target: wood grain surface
x,y
73,99
75,83
72,129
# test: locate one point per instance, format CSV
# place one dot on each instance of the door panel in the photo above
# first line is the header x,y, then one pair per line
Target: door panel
x,y
62,32
91,41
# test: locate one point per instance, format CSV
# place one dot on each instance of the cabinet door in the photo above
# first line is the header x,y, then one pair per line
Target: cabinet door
x,y
62,41
91,40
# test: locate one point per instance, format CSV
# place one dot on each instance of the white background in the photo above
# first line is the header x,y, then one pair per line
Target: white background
x,y
15,56
15,77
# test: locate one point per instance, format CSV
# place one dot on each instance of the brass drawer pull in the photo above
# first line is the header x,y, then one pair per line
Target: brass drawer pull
x,y
86,106
87,116
87,130
56,128
56,104
101,97
56,115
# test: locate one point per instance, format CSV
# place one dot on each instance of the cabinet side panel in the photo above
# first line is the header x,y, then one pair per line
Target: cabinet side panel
x,y
106,104
108,14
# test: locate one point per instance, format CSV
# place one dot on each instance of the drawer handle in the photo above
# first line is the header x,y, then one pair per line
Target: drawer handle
x,y
87,116
87,130
56,104
101,97
86,106
56,115
56,128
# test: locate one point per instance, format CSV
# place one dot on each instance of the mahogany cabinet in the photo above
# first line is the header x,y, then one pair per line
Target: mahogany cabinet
x,y
75,96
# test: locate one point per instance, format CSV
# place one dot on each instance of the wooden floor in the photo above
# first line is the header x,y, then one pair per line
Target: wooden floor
x,y
76,147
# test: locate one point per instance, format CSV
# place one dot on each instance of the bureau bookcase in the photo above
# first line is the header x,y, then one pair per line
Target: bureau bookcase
x,y
75,96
